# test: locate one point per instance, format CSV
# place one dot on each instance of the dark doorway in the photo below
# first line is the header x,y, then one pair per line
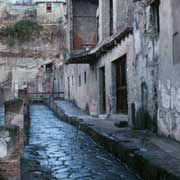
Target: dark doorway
x,y
68,87
102,84
121,86
111,15
133,114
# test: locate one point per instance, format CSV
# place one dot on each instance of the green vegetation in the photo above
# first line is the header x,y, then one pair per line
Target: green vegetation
x,y
21,32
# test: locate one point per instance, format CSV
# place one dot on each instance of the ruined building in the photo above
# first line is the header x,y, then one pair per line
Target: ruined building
x,y
31,54
81,36
50,12
29,60
122,62
96,77
168,70
156,61
145,65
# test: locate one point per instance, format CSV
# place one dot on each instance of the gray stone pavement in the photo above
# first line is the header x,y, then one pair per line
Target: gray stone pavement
x,y
153,157
57,150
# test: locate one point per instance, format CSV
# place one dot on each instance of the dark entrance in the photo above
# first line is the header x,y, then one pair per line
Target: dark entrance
x,y
68,87
102,83
121,86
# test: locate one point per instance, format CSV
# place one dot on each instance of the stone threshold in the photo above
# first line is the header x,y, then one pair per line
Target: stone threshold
x,y
150,156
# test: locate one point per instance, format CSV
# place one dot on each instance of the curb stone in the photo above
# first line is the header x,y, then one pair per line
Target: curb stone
x,y
147,167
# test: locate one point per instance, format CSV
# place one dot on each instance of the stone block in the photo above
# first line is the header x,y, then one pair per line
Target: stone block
x,y
8,137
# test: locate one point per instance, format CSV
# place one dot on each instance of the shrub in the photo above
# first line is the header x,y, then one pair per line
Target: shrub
x,y
21,32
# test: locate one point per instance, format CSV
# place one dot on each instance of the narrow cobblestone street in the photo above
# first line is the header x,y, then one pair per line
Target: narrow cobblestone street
x,y
57,150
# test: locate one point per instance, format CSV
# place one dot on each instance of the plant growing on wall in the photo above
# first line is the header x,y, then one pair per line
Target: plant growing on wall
x,y
22,31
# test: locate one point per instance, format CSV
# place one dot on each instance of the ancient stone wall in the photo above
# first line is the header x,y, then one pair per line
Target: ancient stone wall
x,y
55,16
121,17
24,65
145,66
75,86
8,137
169,68
12,138
82,81
10,13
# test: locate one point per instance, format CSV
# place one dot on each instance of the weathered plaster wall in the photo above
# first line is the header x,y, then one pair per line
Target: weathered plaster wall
x,y
57,16
69,27
169,84
122,16
81,26
104,22
144,69
84,24
87,96
125,48
75,87
59,79
24,66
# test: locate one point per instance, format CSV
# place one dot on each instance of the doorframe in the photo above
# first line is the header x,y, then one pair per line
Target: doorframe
x,y
102,89
114,83
69,94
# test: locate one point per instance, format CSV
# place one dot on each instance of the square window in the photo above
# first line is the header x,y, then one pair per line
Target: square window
x,y
85,77
111,18
49,7
79,80
176,46
72,80
154,18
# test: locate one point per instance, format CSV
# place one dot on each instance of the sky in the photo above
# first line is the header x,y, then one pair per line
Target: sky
x,y
21,1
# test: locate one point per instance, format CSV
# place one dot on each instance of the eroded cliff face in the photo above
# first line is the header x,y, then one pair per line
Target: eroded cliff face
x,y
29,64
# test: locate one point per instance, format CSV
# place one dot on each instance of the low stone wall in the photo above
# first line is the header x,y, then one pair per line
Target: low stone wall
x,y
10,168
9,153
12,138
14,115
8,138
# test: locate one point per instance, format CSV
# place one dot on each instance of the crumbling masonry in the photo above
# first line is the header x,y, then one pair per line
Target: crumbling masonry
x,y
132,72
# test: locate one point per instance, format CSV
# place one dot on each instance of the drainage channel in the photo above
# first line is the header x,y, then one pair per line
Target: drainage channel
x,y
59,151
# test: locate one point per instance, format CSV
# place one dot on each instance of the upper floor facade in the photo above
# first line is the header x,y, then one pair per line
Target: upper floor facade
x,y
90,22
81,25
113,16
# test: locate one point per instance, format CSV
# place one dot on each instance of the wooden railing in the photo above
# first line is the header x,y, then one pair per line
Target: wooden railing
x,y
45,96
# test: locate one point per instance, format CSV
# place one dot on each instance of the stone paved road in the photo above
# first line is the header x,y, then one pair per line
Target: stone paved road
x,y
57,150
